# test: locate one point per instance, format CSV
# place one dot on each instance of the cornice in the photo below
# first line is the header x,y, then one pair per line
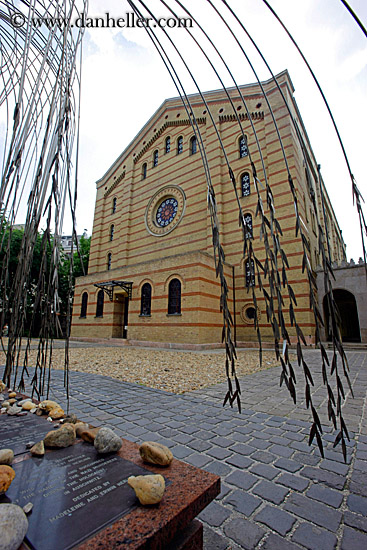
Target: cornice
x,y
115,184
158,133
256,115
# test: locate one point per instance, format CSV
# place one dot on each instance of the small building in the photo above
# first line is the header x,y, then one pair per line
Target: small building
x,y
151,273
67,243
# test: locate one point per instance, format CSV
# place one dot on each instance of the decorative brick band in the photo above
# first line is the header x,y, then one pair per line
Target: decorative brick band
x,y
257,115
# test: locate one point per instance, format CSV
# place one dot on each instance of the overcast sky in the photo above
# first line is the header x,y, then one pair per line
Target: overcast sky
x,y
124,81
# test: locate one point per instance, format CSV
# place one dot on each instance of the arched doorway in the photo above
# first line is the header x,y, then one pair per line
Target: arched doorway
x,y
347,307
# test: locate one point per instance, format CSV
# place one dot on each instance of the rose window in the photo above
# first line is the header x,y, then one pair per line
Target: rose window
x,y
166,212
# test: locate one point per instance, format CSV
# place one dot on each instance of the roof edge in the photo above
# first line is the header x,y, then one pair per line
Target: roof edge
x,y
209,93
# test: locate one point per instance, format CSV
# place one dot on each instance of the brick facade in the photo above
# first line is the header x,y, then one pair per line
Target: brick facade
x,y
128,244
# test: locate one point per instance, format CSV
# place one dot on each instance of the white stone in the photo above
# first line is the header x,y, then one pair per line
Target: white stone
x,y
13,526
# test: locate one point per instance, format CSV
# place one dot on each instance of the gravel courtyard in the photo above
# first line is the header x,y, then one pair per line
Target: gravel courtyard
x,y
172,371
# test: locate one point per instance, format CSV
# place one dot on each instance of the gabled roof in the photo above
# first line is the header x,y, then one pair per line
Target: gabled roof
x,y
210,96
213,95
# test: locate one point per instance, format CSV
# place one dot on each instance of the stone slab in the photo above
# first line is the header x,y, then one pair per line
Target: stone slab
x,y
154,527
190,538
75,492
106,521
17,431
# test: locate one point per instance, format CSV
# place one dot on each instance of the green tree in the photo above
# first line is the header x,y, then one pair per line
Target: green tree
x,y
82,259
15,236
67,271
10,249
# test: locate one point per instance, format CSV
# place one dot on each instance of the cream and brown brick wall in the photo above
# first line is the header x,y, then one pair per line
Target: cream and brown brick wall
x,y
186,253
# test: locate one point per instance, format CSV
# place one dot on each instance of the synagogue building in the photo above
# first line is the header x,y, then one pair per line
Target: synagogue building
x,y
151,275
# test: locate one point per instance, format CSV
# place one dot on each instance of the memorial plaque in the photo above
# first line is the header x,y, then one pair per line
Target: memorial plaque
x,y
75,492
17,431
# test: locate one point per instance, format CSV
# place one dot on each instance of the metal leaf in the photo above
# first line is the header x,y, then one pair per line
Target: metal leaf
x,y
344,449
316,418
307,372
308,396
319,443
313,431
292,390
344,428
228,395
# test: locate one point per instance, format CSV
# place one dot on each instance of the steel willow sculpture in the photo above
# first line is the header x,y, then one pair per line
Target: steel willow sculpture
x,y
41,78
40,101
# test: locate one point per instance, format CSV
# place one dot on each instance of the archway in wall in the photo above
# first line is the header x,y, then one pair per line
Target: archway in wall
x,y
347,307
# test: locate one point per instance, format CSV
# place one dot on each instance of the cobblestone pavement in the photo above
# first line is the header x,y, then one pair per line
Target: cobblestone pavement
x,y
277,493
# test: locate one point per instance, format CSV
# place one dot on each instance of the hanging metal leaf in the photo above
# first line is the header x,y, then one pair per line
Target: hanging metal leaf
x,y
313,431
344,428
344,449
308,395
319,443
316,419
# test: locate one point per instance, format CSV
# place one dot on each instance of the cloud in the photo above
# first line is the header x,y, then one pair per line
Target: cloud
x,y
353,65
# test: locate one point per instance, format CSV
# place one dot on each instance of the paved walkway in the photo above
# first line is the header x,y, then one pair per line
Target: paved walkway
x,y
277,493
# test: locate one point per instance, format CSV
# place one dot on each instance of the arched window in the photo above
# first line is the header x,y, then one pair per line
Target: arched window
x,y
242,147
83,309
245,184
146,299
168,144
180,145
144,171
174,297
100,302
114,203
109,261
112,231
155,158
248,230
193,145
249,273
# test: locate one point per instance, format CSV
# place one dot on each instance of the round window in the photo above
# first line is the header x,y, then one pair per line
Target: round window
x,y
250,313
166,211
